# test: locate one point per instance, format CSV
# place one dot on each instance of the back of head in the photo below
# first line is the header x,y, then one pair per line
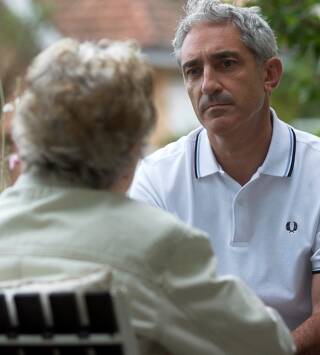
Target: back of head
x,y
254,30
86,107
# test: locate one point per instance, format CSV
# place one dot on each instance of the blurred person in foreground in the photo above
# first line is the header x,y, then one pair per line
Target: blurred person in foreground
x,y
79,128
245,177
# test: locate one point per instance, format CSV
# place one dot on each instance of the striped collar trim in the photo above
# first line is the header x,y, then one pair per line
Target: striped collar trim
x,y
292,155
205,162
281,156
196,156
280,159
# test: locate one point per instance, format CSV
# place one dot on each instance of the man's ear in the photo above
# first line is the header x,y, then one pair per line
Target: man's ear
x,y
273,73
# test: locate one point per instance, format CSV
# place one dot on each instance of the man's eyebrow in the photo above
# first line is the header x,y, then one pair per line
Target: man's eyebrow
x,y
190,63
224,54
214,56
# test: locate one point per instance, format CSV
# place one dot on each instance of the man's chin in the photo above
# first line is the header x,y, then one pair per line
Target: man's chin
x,y
217,123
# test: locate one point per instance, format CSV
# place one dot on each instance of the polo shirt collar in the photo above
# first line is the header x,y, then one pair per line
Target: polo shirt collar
x,y
205,162
279,161
281,155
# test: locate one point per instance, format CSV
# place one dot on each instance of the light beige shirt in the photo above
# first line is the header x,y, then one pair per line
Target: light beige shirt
x,y
178,304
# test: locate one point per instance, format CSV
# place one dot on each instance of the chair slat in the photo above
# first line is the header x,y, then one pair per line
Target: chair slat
x,y
65,314
30,313
101,333
101,312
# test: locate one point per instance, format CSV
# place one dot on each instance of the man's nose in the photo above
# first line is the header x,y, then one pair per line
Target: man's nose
x,y
210,82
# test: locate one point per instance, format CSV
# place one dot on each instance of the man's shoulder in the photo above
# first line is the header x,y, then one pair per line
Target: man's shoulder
x,y
175,150
308,140
160,172
303,141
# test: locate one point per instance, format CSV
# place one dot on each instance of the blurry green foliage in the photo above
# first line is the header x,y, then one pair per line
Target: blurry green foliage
x,y
18,43
297,26
14,31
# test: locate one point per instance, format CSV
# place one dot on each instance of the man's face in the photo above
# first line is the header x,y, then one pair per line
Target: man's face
x,y
224,80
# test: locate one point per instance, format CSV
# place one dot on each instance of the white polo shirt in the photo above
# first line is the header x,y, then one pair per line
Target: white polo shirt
x,y
265,232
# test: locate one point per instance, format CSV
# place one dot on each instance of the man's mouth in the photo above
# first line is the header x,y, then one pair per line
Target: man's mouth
x,y
215,105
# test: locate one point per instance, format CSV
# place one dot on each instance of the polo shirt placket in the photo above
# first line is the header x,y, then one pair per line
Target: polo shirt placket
x,y
283,144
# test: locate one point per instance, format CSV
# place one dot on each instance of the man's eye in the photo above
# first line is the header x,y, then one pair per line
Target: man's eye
x,y
193,72
228,63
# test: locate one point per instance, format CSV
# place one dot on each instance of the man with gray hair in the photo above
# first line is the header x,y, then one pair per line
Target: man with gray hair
x,y
245,177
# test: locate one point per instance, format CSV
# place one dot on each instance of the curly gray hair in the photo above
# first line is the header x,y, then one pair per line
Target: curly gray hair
x,y
85,108
254,30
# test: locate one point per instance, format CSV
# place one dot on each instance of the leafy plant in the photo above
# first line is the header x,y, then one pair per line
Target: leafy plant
x,y
297,25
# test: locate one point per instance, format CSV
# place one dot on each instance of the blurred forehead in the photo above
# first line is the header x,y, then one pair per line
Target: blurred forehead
x,y
207,39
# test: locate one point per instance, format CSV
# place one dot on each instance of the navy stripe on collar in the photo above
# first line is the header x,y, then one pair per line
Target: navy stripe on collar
x,y
289,170
293,154
196,156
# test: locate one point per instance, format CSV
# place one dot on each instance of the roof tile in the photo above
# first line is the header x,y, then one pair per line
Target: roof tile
x,y
150,22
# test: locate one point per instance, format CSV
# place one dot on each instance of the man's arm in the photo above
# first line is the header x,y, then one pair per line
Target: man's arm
x,y
307,335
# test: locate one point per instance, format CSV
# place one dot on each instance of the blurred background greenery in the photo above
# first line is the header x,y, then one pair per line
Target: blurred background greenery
x,y
297,25
18,43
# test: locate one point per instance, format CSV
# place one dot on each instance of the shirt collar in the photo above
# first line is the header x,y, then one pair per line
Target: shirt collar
x,y
282,151
279,161
205,162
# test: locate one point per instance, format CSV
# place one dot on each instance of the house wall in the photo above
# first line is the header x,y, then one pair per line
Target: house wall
x,y
175,113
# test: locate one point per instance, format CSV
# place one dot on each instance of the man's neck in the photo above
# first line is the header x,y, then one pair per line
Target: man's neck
x,y
241,153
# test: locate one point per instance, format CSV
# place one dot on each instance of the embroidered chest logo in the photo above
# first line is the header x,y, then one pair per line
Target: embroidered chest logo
x,y
292,227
